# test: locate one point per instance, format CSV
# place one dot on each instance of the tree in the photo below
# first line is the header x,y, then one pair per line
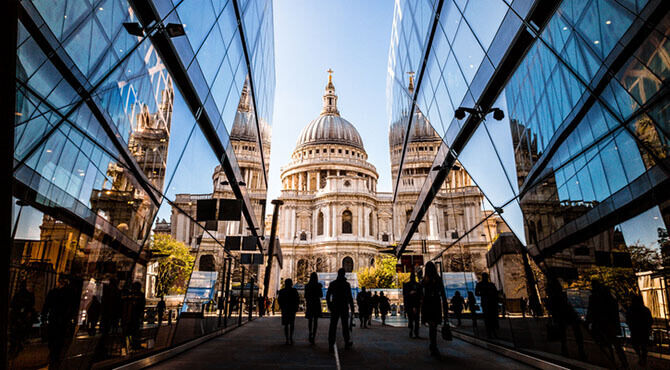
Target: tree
x,y
644,258
174,264
382,275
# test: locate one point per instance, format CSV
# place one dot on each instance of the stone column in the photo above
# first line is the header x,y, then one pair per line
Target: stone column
x,y
334,224
291,236
309,181
359,223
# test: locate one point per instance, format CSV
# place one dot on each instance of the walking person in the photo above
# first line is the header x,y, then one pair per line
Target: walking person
x,y
639,321
411,294
434,308
524,306
457,305
362,301
313,294
368,299
375,304
563,315
21,317
92,316
384,307
160,308
488,293
603,316
288,303
59,314
472,306
339,300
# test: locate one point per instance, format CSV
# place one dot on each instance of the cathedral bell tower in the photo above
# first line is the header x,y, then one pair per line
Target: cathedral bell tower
x,y
329,98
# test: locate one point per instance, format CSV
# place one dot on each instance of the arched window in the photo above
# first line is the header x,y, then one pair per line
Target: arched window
x,y
319,223
346,222
371,221
303,236
348,264
207,263
372,262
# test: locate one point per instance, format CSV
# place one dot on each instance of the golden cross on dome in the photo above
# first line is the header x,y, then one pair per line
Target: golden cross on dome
x,y
330,75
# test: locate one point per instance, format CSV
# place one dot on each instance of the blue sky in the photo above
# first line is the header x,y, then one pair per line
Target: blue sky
x,y
352,38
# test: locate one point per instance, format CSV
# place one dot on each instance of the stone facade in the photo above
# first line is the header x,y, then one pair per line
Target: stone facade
x,y
333,216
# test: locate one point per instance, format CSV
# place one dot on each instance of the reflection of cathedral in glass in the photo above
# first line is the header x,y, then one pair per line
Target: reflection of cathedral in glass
x,y
457,207
244,143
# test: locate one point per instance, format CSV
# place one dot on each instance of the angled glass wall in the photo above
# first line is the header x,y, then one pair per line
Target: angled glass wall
x,y
573,175
121,129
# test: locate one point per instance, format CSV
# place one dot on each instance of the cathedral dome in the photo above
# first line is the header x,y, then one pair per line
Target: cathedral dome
x,y
329,127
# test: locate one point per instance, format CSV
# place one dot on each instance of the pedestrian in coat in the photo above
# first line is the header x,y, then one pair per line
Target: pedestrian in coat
x,y
384,307
313,294
457,305
339,300
288,303
639,321
411,294
434,308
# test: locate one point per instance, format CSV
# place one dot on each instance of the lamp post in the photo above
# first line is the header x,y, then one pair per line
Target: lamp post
x,y
271,248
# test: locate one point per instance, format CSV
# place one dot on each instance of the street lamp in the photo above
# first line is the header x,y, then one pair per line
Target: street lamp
x,y
498,114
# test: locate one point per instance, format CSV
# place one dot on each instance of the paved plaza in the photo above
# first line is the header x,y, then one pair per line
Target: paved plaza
x,y
260,345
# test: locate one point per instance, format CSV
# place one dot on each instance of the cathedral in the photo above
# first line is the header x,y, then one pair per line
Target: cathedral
x,y
333,216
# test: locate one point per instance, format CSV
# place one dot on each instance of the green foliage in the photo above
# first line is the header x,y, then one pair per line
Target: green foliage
x,y
644,258
382,275
621,281
175,264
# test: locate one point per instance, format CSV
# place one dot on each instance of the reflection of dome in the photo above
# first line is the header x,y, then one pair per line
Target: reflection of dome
x,y
422,130
244,128
244,124
330,129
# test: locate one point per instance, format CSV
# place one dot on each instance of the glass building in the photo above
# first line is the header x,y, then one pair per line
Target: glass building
x,y
121,107
576,165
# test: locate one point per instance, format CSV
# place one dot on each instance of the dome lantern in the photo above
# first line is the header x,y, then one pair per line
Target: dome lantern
x,y
329,97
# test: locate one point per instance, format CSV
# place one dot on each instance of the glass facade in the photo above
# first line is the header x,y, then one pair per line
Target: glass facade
x,y
117,136
577,168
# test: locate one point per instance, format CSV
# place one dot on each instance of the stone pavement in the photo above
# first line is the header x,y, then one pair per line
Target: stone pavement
x,y
260,345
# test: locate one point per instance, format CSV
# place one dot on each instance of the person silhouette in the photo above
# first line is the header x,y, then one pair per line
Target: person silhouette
x,y
375,304
411,294
639,321
92,315
288,303
472,306
339,300
384,307
313,294
603,316
21,316
160,309
434,309
564,315
132,318
362,300
488,293
457,305
59,312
